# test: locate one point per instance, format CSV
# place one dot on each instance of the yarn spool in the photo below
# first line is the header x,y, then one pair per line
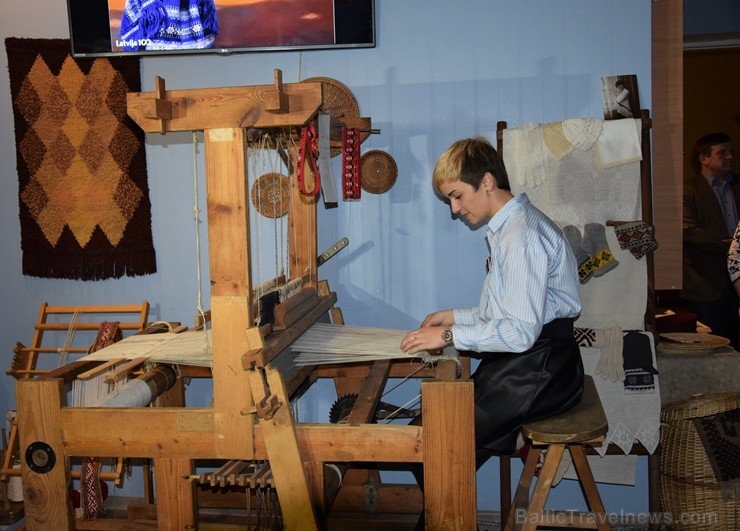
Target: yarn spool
x,y
10,417
141,391
15,486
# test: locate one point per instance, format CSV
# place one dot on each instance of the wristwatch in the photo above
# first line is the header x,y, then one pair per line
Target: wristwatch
x,y
447,335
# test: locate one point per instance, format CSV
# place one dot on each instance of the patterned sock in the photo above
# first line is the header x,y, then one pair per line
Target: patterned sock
x,y
585,263
594,241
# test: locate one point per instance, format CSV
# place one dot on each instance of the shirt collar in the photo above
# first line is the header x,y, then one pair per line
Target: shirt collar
x,y
497,221
715,182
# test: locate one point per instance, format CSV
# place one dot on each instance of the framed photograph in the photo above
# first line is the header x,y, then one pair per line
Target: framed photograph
x,y
620,97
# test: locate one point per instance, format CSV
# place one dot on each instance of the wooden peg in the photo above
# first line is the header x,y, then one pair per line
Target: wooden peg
x,y
276,100
158,107
121,372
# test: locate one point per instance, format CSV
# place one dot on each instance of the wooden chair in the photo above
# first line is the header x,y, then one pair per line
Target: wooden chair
x,y
584,424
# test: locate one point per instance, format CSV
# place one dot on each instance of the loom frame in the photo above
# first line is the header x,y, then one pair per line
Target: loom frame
x,y
249,418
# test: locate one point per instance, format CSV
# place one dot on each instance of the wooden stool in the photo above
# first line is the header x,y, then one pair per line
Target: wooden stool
x,y
584,424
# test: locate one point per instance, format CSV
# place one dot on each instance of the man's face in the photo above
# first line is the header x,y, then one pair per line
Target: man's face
x,y
720,162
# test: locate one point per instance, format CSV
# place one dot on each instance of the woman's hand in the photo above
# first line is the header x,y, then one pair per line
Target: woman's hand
x,y
427,338
440,318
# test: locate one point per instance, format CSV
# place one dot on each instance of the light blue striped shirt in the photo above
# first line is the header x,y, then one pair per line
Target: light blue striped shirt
x,y
533,279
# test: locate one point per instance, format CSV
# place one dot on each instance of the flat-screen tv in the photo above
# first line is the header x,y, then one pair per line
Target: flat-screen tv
x,y
105,28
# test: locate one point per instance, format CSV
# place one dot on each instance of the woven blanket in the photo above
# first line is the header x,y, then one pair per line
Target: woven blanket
x,y
84,200
720,435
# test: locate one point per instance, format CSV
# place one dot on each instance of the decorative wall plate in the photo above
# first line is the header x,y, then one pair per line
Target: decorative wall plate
x,y
379,172
270,194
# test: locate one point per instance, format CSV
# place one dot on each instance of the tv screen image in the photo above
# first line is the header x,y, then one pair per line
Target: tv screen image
x,y
151,27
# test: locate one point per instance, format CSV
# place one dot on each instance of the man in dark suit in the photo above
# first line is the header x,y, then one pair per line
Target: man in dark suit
x,y
710,215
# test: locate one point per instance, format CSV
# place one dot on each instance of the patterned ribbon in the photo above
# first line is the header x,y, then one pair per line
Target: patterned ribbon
x,y
91,495
108,333
351,167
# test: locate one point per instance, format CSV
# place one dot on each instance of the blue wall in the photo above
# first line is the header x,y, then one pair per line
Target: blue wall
x,y
441,70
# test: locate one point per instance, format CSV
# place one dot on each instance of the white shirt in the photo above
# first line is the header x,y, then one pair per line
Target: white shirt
x,y
533,279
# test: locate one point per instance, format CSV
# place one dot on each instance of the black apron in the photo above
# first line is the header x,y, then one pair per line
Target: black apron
x,y
512,389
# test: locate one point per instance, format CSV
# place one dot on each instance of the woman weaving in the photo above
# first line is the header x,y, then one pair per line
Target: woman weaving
x,y
522,330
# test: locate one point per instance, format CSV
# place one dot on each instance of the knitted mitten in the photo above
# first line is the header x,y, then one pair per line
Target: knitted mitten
x,y
585,263
594,241
636,236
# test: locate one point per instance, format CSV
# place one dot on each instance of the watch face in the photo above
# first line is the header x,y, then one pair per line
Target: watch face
x,y
447,335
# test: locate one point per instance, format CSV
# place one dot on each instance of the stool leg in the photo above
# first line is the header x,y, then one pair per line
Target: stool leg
x,y
504,472
590,491
521,496
543,485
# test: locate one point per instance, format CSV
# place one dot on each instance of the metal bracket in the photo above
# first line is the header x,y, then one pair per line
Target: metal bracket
x,y
267,407
331,251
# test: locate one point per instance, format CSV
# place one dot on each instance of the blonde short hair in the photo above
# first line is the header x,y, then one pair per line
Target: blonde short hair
x,y
468,160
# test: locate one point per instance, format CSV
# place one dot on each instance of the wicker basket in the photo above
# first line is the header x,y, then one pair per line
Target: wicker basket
x,y
690,495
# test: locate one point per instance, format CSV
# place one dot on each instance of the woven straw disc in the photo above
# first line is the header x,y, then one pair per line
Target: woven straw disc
x,y
379,172
689,344
339,102
270,194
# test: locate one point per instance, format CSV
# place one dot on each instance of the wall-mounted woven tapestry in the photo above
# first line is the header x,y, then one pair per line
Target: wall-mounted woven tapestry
x,y
84,200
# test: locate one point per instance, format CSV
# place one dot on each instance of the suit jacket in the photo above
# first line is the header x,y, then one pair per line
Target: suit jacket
x,y
705,274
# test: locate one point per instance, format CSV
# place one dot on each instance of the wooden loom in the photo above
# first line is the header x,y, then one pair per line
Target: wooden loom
x,y
250,418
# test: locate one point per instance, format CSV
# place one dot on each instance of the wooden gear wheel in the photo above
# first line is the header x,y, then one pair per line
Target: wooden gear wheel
x,y
342,407
339,102
270,194
379,172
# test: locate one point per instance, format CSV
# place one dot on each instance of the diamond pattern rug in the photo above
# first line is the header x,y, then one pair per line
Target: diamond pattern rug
x,y
84,200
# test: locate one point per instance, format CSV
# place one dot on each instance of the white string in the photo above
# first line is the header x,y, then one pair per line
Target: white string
x,y
71,329
407,405
256,269
403,380
294,149
87,392
196,212
277,204
325,343
192,347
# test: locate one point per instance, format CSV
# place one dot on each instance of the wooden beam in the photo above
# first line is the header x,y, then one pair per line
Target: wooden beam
x,y
189,433
367,401
46,497
224,107
231,308
288,475
449,455
175,500
303,246
668,169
